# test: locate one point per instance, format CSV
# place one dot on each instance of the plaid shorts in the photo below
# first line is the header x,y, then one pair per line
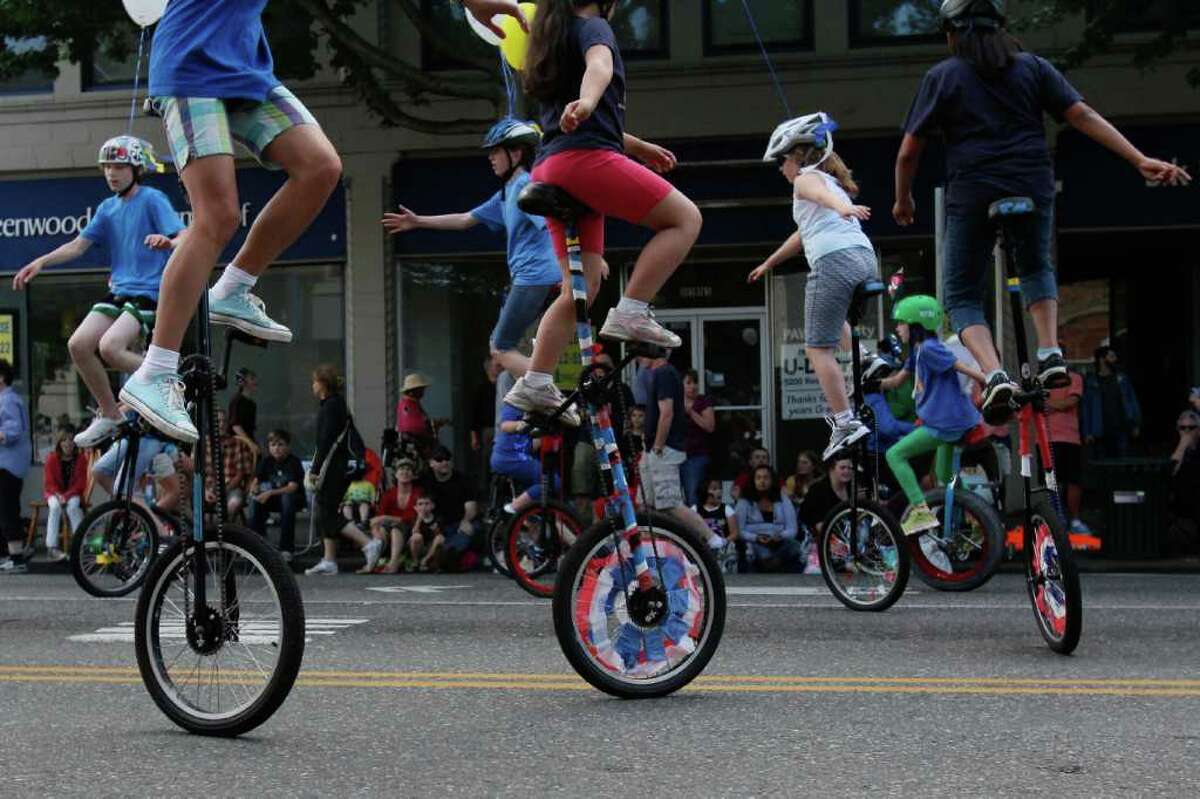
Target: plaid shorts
x,y
200,126
142,309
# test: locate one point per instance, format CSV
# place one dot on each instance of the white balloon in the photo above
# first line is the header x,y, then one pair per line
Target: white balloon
x,y
480,29
145,12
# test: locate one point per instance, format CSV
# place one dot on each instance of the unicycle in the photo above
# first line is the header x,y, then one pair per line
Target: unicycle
x,y
1051,576
864,559
219,630
639,603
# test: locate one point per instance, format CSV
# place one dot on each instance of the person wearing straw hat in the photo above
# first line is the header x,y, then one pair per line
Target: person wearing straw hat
x,y
411,420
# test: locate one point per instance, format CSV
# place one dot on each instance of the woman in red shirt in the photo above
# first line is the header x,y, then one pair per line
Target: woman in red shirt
x,y
397,513
64,482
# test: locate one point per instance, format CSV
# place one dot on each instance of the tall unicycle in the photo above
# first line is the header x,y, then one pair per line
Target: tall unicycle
x,y
1051,575
863,556
639,602
219,630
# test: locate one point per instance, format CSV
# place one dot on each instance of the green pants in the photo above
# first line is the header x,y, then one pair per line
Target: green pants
x,y
918,442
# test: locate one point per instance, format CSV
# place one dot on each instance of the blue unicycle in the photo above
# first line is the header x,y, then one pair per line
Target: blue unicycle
x,y
639,603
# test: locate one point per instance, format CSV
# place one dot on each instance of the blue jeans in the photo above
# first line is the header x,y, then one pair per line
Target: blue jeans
x,y
692,473
969,241
521,308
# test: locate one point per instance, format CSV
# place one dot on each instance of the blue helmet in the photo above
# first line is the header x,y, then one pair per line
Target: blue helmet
x,y
510,132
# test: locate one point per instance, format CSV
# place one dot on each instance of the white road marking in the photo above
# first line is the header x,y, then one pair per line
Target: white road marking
x,y
416,589
253,632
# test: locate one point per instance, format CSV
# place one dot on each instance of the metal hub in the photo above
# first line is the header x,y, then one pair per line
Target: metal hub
x,y
648,607
204,631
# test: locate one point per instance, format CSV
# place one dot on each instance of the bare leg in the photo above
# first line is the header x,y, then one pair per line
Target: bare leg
x,y
978,339
557,327
829,374
514,361
82,345
212,189
1045,322
678,222
313,170
522,502
330,549
116,345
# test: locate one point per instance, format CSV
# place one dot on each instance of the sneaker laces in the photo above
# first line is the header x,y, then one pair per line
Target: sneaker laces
x,y
171,389
256,301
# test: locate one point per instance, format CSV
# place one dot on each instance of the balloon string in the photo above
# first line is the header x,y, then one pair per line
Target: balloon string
x,y
767,57
137,74
509,81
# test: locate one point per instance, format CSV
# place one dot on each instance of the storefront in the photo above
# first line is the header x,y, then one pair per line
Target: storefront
x,y
305,290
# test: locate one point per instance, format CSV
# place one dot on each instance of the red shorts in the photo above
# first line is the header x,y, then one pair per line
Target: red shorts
x,y
608,182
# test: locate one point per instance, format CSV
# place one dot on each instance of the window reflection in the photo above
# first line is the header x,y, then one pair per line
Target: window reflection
x,y
896,21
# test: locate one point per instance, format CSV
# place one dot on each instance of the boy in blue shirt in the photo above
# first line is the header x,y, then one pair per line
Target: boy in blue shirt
x,y
139,227
212,81
988,102
531,260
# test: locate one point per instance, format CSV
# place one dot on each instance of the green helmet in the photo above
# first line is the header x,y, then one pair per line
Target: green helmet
x,y
920,309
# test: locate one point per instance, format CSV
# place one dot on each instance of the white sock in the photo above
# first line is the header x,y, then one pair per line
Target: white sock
x,y
158,361
630,305
843,417
232,280
538,379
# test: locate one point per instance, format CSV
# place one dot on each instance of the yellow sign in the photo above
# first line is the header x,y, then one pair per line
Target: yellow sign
x,y
8,337
566,374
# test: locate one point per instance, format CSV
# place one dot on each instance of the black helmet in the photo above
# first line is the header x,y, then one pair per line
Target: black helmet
x,y
960,14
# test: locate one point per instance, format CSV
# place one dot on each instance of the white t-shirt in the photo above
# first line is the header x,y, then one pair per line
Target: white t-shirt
x,y
824,230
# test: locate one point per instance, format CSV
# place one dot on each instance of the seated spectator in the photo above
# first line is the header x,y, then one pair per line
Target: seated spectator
x,y
64,482
413,424
724,538
826,493
397,515
759,456
454,498
359,502
239,463
1184,498
808,471
767,523
427,538
278,488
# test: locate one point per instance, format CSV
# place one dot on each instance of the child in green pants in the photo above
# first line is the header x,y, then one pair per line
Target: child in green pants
x,y
946,413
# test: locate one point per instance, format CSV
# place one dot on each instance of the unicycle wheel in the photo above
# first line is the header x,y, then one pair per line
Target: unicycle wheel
x,y
864,563
1053,578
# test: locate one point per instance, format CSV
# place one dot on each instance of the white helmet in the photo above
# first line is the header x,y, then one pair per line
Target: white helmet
x,y
815,129
129,150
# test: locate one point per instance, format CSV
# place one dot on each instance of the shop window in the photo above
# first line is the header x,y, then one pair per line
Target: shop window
x,y
103,70
30,81
782,24
640,26
884,22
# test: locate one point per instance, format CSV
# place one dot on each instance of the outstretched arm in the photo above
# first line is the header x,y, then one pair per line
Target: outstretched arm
x,y
1088,121
67,252
404,220
814,189
596,77
788,250
660,159
484,10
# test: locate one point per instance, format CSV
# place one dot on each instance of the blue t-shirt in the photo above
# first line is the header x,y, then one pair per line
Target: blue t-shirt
x,y
994,130
660,384
511,446
605,128
941,405
122,226
531,259
212,48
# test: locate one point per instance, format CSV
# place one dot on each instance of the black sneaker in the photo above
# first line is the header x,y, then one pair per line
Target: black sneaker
x,y
1052,372
997,398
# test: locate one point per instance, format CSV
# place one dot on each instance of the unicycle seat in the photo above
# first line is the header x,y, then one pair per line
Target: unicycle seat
x,y
863,292
552,202
1011,207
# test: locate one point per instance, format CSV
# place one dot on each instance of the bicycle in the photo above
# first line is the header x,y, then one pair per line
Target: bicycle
x,y
861,548
639,602
117,541
219,625
1051,576
540,534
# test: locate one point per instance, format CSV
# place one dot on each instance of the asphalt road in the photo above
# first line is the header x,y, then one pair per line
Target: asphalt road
x,y
454,686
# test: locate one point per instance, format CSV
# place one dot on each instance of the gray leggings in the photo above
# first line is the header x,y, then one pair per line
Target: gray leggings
x,y
829,292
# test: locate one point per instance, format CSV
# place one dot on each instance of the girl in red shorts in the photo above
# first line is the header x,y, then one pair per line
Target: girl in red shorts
x,y
574,69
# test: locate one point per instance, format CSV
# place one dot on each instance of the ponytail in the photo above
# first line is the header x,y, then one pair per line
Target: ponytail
x,y
990,50
544,77
832,165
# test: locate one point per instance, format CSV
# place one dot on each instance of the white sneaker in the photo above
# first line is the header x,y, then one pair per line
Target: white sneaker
x,y
934,554
56,555
632,326
542,399
323,567
371,553
101,428
843,435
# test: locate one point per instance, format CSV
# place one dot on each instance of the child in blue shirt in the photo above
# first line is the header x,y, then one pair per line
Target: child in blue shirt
x,y
139,227
946,413
511,145
514,454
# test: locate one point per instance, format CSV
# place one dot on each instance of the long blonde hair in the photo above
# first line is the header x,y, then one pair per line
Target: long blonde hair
x,y
833,165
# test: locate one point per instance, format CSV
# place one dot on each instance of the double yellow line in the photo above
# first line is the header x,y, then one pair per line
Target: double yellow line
x,y
323,678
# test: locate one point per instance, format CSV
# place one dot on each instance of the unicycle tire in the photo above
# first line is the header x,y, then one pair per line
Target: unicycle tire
x,y
497,541
97,566
261,634
1052,578
533,562
967,557
596,589
876,577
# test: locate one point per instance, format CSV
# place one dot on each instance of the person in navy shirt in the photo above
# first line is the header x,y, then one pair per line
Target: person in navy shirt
x,y
139,227
212,82
511,145
987,101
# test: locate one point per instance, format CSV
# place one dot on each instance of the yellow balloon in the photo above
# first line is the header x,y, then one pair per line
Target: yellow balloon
x,y
515,44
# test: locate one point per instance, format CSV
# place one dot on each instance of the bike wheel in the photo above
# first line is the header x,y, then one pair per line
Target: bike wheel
x,y
498,544
538,537
224,670
636,641
1052,578
963,554
113,547
871,574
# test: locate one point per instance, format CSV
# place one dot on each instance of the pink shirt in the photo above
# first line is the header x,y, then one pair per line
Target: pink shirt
x,y
1064,425
411,418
